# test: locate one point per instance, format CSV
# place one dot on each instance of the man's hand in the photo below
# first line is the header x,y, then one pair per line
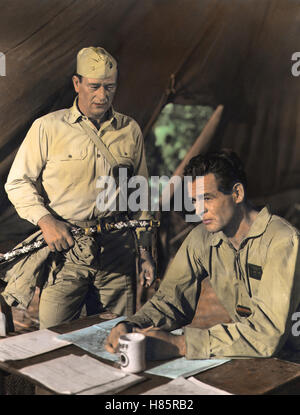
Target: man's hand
x,y
147,271
56,233
112,340
162,345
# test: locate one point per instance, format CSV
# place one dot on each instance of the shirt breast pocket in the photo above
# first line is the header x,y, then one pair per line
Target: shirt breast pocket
x,y
255,273
123,153
122,149
71,165
73,154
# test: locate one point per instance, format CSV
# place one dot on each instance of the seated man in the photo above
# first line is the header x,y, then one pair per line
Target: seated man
x,y
251,258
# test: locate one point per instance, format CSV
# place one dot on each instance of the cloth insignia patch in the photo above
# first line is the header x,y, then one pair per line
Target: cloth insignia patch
x,y
255,271
243,311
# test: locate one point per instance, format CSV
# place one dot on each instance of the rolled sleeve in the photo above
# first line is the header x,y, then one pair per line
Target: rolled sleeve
x,y
197,343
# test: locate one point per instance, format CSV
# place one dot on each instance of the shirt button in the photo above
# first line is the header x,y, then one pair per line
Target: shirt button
x,y
98,155
70,156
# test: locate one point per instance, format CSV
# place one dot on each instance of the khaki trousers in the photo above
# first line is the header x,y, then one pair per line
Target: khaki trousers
x,y
98,270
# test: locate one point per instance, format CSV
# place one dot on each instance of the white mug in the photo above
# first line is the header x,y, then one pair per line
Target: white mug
x,y
132,352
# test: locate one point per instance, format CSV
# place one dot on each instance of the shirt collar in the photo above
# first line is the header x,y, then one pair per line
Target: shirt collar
x,y
257,228
73,114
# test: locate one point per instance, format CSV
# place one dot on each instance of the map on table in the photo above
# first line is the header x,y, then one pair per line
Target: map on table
x,y
92,339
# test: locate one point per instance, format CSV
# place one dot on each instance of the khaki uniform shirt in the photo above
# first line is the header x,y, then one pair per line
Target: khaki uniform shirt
x,y
262,275
59,152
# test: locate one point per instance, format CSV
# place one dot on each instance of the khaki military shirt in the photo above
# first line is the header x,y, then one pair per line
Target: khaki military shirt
x,y
262,275
59,153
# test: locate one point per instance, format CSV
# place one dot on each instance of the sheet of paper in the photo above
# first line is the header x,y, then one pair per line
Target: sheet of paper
x,y
92,339
82,375
209,390
30,344
182,386
184,367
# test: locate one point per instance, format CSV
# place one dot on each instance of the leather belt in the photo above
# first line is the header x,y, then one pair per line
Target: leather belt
x,y
103,221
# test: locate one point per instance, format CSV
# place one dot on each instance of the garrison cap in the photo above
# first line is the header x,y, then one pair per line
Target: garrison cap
x,y
95,62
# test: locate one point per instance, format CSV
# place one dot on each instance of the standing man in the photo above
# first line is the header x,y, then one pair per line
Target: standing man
x,y
63,152
252,260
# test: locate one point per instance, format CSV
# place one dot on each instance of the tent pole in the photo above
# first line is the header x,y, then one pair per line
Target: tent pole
x,y
199,145
162,102
202,141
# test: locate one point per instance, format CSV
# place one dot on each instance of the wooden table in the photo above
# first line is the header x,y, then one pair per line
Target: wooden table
x,y
239,376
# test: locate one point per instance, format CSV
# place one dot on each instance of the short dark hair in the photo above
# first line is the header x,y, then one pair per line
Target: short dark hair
x,y
78,76
224,164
